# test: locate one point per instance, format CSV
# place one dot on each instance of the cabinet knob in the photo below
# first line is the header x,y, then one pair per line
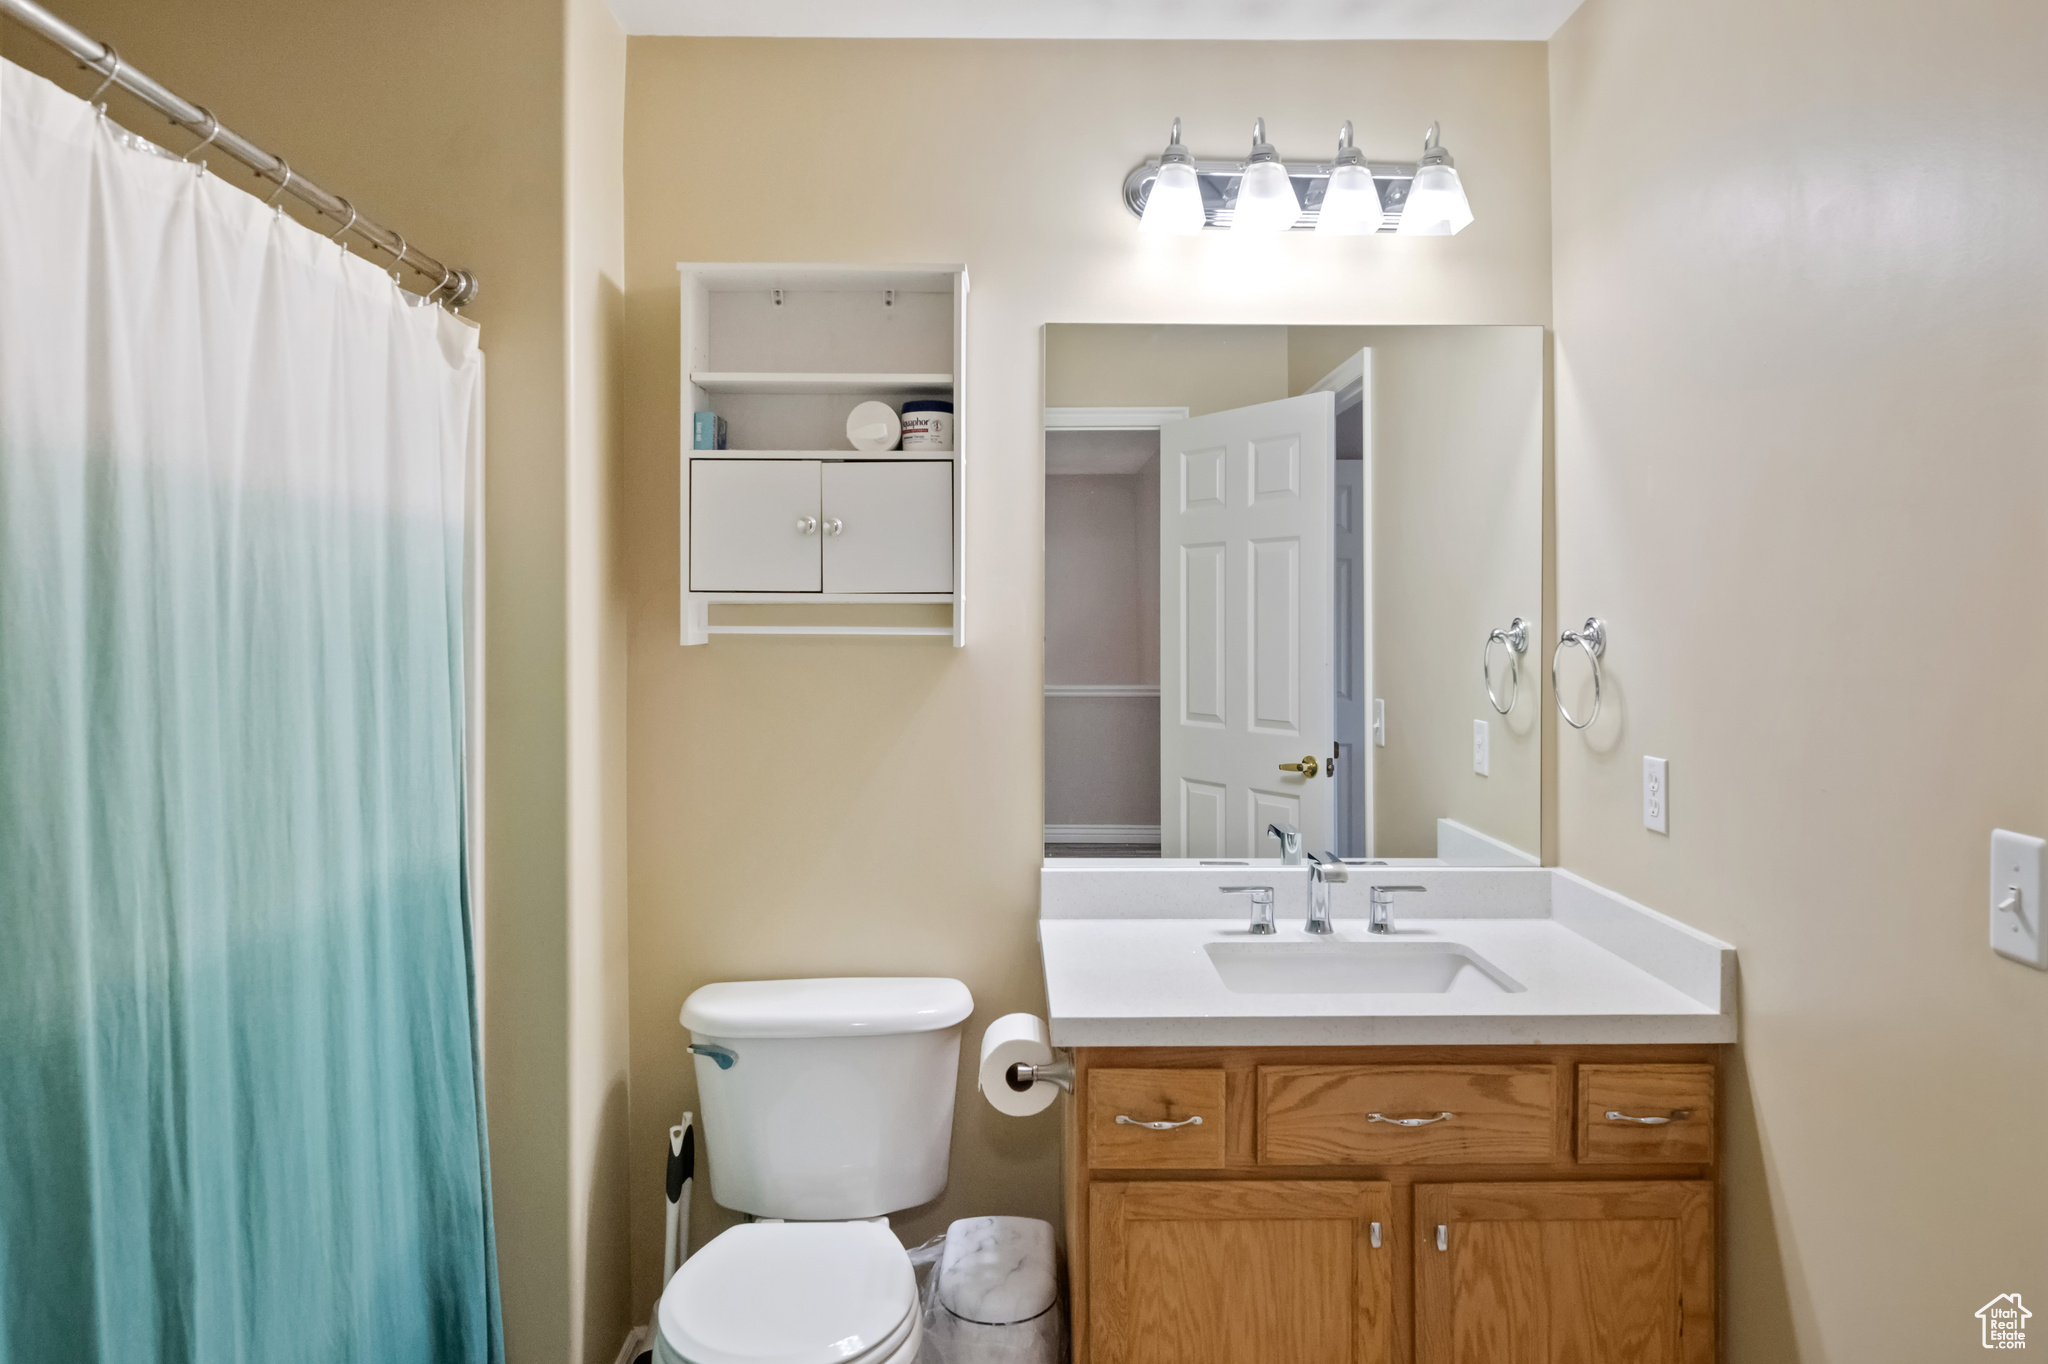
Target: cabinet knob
x,y
833,525
807,525
1308,766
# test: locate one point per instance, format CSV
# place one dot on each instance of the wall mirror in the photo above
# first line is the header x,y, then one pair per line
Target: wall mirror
x,y
1294,575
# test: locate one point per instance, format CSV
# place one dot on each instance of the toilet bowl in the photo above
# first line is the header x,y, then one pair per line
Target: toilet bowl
x,y
793,1293
824,1102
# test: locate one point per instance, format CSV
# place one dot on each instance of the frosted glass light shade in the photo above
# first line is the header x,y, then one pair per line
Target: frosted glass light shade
x,y
1436,204
1175,203
1351,204
1265,199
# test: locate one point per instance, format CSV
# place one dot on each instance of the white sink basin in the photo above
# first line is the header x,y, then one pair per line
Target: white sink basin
x,y
1357,968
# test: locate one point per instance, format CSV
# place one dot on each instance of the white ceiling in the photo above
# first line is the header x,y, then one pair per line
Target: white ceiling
x,y
1530,20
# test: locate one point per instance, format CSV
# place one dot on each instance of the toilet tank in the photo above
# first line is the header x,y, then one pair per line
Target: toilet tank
x,y
824,1100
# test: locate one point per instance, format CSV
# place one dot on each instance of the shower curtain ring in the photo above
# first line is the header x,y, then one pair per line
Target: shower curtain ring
x,y
113,60
398,264
347,225
212,131
282,186
447,273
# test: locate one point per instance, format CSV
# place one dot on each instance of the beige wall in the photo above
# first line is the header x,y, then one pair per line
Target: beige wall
x,y
1204,369
594,202
1457,547
1801,427
449,122
818,806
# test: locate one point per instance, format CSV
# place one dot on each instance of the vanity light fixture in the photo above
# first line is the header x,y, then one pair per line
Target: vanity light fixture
x,y
1436,199
1266,201
1347,195
1351,202
1175,203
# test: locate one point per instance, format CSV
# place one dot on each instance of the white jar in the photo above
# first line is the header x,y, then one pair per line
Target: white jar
x,y
928,424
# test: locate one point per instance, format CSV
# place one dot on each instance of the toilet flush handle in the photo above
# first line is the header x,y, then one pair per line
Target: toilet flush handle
x,y
724,1056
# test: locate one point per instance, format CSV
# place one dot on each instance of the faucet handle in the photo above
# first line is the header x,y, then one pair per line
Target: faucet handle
x,y
1380,890
1261,895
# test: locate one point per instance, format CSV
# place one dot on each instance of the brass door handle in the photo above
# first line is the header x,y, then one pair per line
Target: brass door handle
x,y
1307,766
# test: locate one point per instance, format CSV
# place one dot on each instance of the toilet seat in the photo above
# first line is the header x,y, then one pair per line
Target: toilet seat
x,y
792,1293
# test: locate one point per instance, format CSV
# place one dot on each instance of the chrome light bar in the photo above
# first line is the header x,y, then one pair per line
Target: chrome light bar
x,y
1219,180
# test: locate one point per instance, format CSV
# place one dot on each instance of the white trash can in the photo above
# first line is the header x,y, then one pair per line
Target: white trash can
x,y
994,1295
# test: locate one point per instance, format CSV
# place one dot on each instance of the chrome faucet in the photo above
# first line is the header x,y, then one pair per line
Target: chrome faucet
x,y
1290,843
1321,872
1382,920
1262,905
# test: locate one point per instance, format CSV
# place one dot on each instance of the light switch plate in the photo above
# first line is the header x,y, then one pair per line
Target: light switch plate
x,y
2016,866
1657,795
1482,743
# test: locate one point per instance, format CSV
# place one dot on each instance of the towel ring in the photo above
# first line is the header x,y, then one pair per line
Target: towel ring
x,y
1593,639
1516,637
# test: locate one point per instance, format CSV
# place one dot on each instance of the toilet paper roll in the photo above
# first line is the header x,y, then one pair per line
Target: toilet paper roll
x,y
1010,1039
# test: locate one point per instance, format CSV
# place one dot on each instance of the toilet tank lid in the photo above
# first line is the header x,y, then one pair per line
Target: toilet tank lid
x,y
848,1006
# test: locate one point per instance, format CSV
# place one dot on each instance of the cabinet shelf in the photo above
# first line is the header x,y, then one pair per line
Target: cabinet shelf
x,y
818,454
769,381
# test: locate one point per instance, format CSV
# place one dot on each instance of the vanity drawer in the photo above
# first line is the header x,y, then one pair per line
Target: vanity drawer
x,y
1351,1115
1682,1095
1148,1096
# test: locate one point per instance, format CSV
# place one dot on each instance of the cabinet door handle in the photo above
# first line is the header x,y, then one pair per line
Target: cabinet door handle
x,y
807,525
1443,1237
833,525
1308,766
1195,1121
1375,1236
1677,1115
1408,1122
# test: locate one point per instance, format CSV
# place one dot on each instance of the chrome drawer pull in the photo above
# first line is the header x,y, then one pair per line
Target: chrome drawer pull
x,y
1195,1121
1408,1122
1677,1115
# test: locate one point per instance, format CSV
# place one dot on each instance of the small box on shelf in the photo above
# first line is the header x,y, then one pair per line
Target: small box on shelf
x,y
708,432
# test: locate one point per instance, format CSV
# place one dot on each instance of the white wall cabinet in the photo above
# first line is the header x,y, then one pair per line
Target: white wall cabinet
x,y
804,525
790,514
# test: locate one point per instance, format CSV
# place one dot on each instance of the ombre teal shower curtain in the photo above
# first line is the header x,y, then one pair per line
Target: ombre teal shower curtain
x,y
241,1119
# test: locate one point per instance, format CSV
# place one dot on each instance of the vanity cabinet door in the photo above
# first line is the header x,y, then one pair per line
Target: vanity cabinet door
x,y
889,526
754,525
1567,1273
1241,1272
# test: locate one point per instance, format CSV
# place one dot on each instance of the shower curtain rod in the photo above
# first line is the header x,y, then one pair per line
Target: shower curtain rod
x,y
455,288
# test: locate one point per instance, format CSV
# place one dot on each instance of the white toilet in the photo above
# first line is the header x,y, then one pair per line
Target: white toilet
x,y
824,1103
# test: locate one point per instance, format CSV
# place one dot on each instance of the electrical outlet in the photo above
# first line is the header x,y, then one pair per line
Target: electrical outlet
x,y
1657,795
1482,743
1379,722
2016,920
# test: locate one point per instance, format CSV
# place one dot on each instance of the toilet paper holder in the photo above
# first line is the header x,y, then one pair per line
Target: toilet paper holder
x,y
1058,1071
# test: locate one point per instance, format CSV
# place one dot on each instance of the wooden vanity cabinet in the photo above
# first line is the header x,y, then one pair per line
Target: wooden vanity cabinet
x,y
1392,1205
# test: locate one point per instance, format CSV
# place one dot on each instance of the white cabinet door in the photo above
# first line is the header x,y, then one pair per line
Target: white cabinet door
x,y
1244,627
889,526
755,525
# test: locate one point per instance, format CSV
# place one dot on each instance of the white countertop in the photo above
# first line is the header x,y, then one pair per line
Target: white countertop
x,y
1121,971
